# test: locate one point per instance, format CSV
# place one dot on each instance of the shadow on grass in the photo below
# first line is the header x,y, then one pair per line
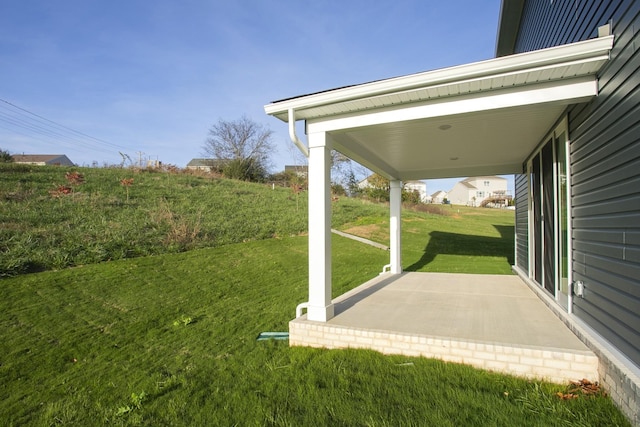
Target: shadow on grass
x,y
464,244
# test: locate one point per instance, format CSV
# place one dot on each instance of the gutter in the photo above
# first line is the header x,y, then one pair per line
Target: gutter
x,y
556,56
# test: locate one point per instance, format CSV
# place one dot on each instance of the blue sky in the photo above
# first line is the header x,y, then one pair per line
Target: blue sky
x,y
153,76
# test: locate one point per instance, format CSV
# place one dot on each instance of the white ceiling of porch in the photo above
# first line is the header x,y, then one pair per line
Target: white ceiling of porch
x,y
484,143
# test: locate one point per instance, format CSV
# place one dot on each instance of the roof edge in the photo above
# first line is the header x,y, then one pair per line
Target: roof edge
x,y
508,26
553,56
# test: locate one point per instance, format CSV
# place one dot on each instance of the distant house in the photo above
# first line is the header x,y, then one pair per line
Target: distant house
x,y
475,190
299,170
207,165
42,159
419,186
438,196
367,182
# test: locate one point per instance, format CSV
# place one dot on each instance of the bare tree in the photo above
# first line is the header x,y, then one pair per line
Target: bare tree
x,y
244,144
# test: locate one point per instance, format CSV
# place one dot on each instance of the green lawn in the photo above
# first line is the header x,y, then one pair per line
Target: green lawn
x,y
459,240
171,340
168,336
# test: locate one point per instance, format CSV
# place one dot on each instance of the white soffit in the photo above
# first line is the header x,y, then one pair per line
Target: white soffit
x,y
556,63
483,118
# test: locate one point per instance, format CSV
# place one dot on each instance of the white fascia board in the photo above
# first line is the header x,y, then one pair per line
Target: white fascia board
x,y
573,91
556,55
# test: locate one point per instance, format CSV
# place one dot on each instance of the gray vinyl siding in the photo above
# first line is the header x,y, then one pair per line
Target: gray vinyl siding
x,y
605,164
522,222
545,23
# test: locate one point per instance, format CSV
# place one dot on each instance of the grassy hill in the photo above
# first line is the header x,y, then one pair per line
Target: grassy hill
x,y
53,218
51,223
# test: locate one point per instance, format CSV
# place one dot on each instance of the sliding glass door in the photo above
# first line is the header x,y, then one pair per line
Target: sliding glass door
x,y
549,217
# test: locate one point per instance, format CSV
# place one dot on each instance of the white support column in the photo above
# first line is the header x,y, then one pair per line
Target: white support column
x,y
395,208
320,307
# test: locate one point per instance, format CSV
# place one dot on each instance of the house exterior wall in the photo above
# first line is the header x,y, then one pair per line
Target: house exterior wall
x,y
438,196
461,194
604,165
418,186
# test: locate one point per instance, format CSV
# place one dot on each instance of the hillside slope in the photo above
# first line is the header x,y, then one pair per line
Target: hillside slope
x,y
54,218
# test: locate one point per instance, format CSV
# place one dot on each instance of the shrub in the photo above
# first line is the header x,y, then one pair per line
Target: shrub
x,y
245,170
5,157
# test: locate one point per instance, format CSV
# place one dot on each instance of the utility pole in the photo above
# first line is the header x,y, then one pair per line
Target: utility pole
x,y
139,153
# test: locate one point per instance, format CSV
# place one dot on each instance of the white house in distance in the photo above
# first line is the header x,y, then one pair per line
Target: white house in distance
x,y
42,159
419,186
207,165
438,196
473,191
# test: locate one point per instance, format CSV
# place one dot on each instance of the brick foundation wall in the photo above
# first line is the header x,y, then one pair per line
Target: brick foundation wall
x,y
556,366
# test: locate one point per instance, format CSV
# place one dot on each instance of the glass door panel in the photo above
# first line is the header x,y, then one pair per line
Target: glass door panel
x,y
548,219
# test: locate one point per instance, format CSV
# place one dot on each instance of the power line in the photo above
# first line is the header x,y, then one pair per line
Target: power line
x,y
18,117
61,141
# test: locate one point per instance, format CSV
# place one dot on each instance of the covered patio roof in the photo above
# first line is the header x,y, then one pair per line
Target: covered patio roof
x,y
482,118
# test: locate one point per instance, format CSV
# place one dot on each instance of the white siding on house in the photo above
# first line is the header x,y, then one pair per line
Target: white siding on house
x,y
473,191
419,186
438,196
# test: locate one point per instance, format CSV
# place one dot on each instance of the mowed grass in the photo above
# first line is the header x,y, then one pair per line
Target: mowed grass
x,y
171,340
454,239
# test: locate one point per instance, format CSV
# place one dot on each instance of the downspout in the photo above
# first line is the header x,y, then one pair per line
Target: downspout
x,y
385,269
292,134
303,148
300,307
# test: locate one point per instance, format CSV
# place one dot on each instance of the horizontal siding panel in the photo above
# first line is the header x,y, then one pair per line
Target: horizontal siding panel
x,y
623,315
620,273
612,177
632,254
621,189
623,134
612,237
629,300
598,320
632,237
593,248
619,129
605,222
621,205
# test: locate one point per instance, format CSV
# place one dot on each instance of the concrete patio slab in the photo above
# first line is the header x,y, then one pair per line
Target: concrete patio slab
x,y
493,322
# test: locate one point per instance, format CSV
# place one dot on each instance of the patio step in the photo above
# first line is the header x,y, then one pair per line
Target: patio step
x,y
551,364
